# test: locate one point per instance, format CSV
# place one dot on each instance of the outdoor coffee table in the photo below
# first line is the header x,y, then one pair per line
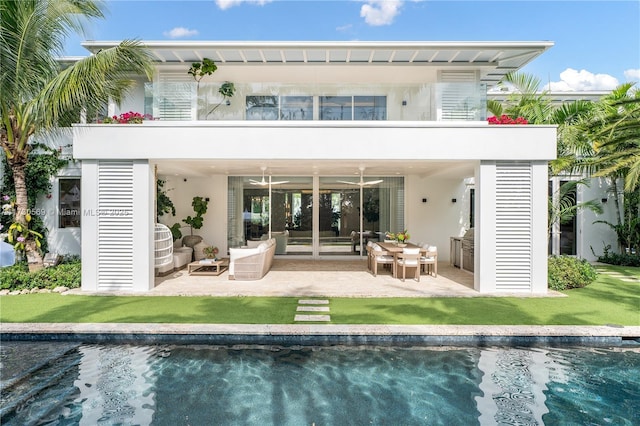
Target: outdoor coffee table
x,y
213,267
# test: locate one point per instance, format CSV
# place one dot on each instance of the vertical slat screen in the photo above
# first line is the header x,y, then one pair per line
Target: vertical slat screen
x,y
514,203
115,225
457,95
174,98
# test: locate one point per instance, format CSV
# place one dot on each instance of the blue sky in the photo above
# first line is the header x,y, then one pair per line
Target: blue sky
x,y
597,43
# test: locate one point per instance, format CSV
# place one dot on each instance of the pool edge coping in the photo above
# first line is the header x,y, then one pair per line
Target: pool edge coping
x,y
324,334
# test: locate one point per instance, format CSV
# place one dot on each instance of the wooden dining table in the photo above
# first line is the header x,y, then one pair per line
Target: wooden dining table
x,y
394,249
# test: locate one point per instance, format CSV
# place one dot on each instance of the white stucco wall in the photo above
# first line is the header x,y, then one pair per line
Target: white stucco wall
x,y
593,237
338,140
181,193
439,219
61,240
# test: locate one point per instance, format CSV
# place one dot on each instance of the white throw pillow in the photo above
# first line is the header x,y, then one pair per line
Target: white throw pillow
x,y
238,253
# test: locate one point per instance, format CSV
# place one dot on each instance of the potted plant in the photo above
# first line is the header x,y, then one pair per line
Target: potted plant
x,y
195,222
401,237
199,70
210,252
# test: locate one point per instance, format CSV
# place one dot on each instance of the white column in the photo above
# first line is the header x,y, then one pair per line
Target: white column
x,y
534,278
143,223
540,212
484,279
89,224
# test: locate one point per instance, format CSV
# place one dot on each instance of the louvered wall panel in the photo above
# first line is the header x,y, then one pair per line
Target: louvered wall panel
x,y
115,225
514,203
175,94
454,96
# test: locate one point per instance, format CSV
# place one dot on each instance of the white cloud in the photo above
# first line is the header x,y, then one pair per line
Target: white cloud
x,y
226,4
380,12
344,28
632,74
572,80
179,32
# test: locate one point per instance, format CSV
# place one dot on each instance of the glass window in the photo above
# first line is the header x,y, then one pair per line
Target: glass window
x,y
262,107
336,108
568,225
296,108
69,202
370,107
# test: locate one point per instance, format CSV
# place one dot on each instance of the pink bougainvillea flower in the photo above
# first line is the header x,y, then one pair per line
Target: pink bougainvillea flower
x,y
505,119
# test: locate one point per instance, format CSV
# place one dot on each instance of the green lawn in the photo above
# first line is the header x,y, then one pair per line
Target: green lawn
x,y
608,300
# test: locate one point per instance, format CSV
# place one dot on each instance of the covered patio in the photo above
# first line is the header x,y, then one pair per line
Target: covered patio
x,y
325,278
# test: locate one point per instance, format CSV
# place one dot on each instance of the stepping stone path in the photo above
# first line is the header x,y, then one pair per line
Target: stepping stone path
x,y
619,275
315,309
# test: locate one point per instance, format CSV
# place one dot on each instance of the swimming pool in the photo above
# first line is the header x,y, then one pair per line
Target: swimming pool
x,y
67,383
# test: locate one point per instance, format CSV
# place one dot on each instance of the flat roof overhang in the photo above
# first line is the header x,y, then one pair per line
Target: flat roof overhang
x,y
494,59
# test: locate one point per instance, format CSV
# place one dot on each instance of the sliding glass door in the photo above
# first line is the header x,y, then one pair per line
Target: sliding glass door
x,y
325,216
338,218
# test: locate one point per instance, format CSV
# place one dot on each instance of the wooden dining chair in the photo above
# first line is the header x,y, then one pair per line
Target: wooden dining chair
x,y
383,257
369,250
429,260
410,257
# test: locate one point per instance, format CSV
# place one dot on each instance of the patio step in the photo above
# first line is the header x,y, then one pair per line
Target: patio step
x,y
311,305
313,302
312,318
312,309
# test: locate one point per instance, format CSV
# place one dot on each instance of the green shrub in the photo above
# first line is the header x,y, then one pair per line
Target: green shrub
x,y
70,258
18,277
620,259
14,277
569,272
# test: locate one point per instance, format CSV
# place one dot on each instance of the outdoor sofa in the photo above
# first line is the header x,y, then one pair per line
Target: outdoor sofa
x,y
251,262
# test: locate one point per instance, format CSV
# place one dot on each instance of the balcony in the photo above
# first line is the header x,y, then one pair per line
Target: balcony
x,y
188,101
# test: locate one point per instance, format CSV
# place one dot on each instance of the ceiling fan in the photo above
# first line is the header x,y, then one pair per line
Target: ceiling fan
x,y
265,182
362,181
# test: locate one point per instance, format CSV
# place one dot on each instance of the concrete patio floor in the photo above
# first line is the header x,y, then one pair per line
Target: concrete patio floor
x,y
327,278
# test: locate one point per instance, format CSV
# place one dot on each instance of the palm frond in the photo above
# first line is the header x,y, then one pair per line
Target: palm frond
x,y
526,84
494,107
32,35
92,81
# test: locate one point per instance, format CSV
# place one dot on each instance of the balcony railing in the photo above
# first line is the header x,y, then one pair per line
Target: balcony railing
x,y
189,101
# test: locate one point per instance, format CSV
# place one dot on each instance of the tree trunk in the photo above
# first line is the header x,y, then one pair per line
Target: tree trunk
x,y
22,206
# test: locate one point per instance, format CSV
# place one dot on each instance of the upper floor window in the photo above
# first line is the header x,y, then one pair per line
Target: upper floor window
x,y
69,202
353,108
329,107
279,107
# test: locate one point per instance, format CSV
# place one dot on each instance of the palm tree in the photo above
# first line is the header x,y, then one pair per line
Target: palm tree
x,y
38,96
563,206
614,130
528,101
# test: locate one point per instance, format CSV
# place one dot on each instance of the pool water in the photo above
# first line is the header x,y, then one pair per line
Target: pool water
x,y
70,384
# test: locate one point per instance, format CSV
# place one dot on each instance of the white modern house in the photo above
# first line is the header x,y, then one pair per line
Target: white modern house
x,y
322,141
